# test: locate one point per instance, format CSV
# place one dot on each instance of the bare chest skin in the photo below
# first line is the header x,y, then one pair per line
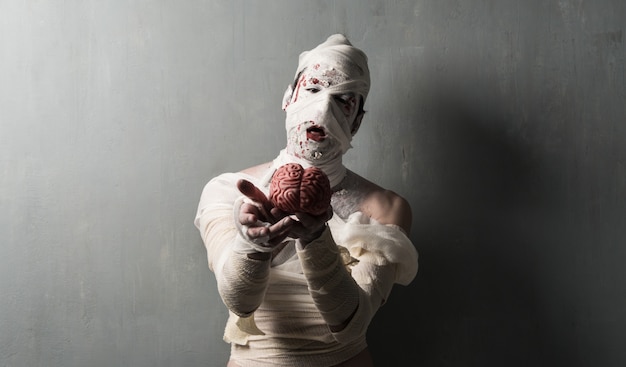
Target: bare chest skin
x,y
350,195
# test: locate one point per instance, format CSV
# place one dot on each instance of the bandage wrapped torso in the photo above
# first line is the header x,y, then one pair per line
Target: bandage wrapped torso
x,y
281,309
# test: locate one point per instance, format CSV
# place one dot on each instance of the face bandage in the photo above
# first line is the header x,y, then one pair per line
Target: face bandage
x,y
317,128
323,108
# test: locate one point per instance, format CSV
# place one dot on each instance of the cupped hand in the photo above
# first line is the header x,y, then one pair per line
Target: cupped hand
x,y
309,227
265,225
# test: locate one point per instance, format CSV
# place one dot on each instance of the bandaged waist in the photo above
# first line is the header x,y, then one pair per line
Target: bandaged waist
x,y
272,352
295,333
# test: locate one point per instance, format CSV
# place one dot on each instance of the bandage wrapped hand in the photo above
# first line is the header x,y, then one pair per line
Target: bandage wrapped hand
x,y
310,227
264,226
259,222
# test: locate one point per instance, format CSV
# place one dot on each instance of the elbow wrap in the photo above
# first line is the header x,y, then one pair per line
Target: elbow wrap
x,y
335,293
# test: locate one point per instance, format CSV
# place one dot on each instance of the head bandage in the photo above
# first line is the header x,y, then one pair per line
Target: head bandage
x,y
346,66
339,53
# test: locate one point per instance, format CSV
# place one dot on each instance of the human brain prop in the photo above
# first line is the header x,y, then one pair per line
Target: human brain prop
x,y
295,189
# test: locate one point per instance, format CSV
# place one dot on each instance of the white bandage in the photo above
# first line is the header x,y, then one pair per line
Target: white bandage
x,y
346,67
339,52
243,283
335,293
244,244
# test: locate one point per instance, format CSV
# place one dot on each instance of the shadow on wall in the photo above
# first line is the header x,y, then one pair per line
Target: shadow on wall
x,y
476,299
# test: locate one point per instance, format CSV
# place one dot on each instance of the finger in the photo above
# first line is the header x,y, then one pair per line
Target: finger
x,y
279,228
280,231
247,188
272,235
249,214
278,239
258,232
278,214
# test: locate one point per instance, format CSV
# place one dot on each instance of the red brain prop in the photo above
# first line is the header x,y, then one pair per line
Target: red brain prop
x,y
295,189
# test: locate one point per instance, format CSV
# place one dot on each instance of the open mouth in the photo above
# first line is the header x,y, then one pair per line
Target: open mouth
x,y
315,133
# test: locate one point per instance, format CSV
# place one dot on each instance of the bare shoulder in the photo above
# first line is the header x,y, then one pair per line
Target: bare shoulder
x,y
385,206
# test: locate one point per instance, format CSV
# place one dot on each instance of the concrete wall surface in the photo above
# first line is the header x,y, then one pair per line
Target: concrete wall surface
x,y
502,123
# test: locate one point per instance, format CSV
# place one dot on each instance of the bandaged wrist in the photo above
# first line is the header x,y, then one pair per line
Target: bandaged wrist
x,y
242,283
243,244
334,291
305,240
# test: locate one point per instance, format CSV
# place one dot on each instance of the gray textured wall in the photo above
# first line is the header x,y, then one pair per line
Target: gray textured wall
x,y
501,121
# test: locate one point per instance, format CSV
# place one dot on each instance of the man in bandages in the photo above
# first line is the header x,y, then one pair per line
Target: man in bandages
x,y
302,289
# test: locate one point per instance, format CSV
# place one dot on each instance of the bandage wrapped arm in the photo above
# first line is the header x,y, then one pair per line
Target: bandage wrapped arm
x,y
350,298
335,293
241,281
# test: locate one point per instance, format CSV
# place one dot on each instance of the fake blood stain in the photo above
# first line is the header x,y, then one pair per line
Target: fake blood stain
x,y
300,83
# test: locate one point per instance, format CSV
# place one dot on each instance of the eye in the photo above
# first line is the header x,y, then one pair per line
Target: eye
x,y
341,100
312,90
344,98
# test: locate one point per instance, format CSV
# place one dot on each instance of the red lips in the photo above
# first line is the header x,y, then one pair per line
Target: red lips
x,y
315,133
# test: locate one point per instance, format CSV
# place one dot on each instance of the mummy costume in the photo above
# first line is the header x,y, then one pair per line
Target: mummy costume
x,y
281,308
